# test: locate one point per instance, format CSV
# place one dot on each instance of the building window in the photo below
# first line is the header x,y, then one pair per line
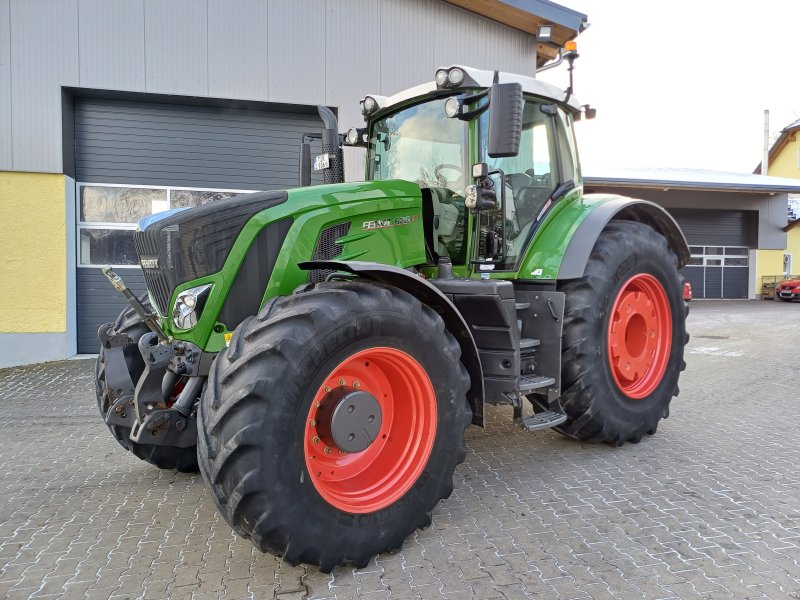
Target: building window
x,y
108,215
718,256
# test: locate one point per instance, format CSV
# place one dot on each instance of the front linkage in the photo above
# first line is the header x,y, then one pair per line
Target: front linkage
x,y
158,408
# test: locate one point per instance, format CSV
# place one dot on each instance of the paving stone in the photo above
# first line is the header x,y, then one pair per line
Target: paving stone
x,y
707,508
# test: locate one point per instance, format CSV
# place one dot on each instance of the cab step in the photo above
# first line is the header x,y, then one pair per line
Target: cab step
x,y
529,383
543,420
522,305
528,344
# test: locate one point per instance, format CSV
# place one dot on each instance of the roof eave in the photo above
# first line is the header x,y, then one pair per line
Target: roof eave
x,y
527,15
688,185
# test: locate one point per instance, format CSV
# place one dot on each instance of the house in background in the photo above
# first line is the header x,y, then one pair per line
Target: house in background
x,y
730,220
784,161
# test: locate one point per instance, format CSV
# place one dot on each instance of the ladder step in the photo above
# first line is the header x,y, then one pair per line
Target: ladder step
x,y
528,344
543,420
522,305
528,383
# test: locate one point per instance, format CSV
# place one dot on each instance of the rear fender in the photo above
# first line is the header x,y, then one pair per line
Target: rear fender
x,y
619,208
426,293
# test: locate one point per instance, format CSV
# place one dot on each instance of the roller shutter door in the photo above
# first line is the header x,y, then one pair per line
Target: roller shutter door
x,y
719,241
150,156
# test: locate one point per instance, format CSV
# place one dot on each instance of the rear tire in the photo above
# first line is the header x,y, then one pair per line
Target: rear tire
x,y
277,477
624,337
163,457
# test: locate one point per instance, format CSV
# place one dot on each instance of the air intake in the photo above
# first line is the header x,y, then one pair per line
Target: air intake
x,y
328,249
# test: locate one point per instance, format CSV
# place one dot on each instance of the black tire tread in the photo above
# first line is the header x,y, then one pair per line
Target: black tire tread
x,y
223,440
579,354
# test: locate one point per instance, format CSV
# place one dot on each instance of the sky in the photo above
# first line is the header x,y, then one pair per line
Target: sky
x,y
684,83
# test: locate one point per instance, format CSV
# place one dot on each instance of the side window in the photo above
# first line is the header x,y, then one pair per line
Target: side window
x,y
568,148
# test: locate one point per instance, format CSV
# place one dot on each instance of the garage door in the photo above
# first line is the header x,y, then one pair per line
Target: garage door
x,y
720,242
135,158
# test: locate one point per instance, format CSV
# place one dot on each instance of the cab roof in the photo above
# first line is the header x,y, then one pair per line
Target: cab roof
x,y
478,78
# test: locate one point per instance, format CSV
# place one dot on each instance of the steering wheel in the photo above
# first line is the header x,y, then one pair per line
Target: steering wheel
x,y
437,172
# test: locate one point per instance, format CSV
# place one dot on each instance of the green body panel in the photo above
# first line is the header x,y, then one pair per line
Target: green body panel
x,y
543,257
386,227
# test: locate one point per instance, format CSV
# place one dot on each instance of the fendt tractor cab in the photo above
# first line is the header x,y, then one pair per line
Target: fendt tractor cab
x,y
319,352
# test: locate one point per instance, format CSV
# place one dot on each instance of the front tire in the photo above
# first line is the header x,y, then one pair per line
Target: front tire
x,y
624,337
270,441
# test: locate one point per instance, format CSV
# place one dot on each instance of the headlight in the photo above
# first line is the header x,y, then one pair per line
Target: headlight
x,y
441,77
189,305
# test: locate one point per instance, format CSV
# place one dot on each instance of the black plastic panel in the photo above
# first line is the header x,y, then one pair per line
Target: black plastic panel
x,y
251,281
488,307
195,242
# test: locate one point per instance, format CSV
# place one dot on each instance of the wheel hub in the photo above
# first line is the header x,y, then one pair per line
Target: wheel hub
x,y
355,420
370,429
639,336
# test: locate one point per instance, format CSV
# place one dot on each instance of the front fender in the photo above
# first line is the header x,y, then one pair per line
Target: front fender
x,y
426,293
619,208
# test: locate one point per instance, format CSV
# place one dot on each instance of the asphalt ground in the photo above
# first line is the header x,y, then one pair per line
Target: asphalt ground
x,y
709,507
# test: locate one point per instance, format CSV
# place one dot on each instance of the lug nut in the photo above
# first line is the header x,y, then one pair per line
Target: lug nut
x,y
327,450
356,384
341,381
315,439
313,422
327,390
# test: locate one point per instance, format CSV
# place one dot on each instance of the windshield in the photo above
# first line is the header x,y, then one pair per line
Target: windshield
x,y
420,144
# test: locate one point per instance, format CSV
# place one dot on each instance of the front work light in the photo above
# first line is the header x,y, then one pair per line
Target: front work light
x,y
455,76
369,105
452,107
356,136
189,305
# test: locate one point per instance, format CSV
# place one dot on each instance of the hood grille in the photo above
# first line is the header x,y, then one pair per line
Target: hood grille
x,y
328,249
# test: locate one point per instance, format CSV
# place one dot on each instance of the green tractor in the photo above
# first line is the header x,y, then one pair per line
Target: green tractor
x,y
318,353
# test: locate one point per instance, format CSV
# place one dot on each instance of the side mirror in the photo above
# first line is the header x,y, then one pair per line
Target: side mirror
x,y
505,119
305,164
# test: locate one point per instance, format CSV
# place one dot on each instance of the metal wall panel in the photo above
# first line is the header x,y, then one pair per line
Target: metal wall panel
x,y
353,69
111,44
238,49
176,46
294,51
44,56
406,44
118,141
99,303
462,37
6,153
296,56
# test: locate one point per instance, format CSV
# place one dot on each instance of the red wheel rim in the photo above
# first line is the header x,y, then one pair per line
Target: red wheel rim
x,y
367,481
639,336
